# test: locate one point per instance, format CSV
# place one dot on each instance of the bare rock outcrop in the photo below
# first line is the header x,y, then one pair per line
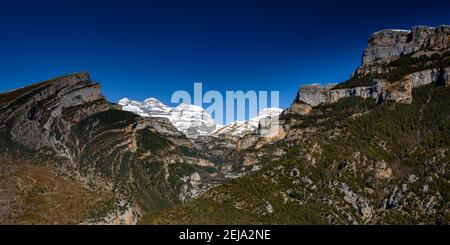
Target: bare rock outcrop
x,y
387,45
400,91
365,92
312,95
31,112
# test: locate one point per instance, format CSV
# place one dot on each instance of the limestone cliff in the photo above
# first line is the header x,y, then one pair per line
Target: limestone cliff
x,y
394,63
387,45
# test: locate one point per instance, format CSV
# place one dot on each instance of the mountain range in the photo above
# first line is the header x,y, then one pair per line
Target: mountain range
x,y
370,150
193,120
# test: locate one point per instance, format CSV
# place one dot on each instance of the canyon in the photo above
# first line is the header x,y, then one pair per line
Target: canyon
x,y
370,150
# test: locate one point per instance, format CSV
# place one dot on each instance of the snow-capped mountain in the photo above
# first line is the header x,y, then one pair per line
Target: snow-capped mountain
x,y
241,128
192,120
148,108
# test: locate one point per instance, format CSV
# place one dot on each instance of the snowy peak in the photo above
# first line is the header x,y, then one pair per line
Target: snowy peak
x,y
156,108
133,106
148,108
192,120
153,103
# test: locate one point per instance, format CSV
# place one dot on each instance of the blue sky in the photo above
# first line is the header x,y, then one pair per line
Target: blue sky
x,y
141,49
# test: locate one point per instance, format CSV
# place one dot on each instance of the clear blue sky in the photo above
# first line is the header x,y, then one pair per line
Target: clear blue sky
x,y
141,49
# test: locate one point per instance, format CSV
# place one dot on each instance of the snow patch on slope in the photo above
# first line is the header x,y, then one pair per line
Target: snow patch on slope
x,y
241,128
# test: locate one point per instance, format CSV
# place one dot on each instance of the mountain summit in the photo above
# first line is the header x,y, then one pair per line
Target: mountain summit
x,y
149,107
192,120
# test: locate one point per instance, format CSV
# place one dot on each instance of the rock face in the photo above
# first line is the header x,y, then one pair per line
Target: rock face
x,y
192,120
390,44
312,95
400,91
30,114
365,92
